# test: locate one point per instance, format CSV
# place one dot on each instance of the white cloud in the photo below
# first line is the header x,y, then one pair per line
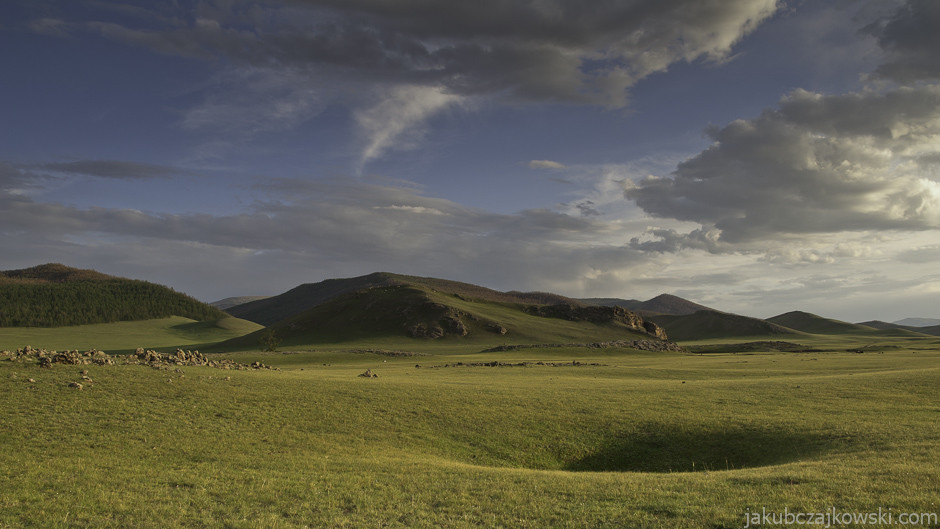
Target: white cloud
x,y
396,121
546,164
815,164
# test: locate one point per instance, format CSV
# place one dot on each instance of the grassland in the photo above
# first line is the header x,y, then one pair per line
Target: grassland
x,y
639,440
124,337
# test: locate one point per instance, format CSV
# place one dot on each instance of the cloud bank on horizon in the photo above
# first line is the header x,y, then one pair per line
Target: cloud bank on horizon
x,y
254,145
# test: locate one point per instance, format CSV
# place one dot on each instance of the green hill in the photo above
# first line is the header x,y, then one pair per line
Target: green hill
x,y
274,309
414,310
711,324
55,295
811,323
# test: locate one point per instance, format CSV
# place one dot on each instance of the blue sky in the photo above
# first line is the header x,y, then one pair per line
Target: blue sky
x,y
757,156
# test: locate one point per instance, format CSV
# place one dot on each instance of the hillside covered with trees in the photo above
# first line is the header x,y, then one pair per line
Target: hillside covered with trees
x,y
55,295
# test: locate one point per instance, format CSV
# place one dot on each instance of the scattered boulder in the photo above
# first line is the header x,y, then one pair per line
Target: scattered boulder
x,y
368,374
75,385
496,328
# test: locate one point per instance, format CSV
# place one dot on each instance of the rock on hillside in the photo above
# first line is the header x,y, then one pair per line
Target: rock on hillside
x,y
598,314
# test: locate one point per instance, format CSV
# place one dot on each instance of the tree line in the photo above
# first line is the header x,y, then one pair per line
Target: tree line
x,y
27,304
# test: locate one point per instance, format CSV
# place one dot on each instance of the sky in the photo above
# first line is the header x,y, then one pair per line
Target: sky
x,y
754,156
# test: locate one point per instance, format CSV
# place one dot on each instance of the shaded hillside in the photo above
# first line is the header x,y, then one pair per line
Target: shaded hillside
x,y
711,324
419,312
55,295
309,295
661,304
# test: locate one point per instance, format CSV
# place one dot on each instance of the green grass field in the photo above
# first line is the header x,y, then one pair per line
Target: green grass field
x,y
123,337
640,440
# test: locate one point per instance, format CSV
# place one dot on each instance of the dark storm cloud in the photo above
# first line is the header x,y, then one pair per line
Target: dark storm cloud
x,y
554,50
910,37
111,169
815,164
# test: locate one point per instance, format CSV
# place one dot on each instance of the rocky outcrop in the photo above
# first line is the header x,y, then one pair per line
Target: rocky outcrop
x,y
434,320
655,330
598,314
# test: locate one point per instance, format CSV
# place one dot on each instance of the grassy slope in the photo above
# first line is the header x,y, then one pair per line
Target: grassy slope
x,y
471,447
127,336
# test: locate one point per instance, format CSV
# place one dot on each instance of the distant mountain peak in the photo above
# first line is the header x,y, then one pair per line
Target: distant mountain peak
x,y
662,304
918,322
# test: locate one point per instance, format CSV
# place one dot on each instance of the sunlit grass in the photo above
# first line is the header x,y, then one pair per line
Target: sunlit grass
x,y
643,440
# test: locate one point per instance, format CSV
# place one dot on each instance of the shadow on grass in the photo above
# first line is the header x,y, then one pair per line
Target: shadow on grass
x,y
655,449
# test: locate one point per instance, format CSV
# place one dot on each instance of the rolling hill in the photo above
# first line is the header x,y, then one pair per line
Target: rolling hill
x,y
388,306
271,310
712,324
55,295
813,324
885,326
